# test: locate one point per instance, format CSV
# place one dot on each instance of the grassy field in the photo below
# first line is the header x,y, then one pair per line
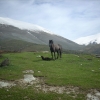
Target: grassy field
x,y
82,71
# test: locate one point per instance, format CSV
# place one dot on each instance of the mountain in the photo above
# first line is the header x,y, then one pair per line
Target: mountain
x,y
92,48
92,39
91,43
13,30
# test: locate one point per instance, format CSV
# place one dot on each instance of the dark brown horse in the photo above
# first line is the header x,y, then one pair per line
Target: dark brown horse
x,y
55,48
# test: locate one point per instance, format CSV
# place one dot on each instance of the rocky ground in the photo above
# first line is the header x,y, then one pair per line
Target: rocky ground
x,y
39,84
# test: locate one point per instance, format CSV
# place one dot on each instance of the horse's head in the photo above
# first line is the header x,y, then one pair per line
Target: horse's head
x,y
50,43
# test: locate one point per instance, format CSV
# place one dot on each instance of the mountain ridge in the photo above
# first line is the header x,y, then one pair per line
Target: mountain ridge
x,y
22,25
92,39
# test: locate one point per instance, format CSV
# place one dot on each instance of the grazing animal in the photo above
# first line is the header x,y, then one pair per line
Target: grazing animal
x,y
55,48
5,62
46,58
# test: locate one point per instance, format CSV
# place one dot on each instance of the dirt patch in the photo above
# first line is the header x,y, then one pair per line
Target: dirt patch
x,y
93,95
40,85
6,84
58,89
28,79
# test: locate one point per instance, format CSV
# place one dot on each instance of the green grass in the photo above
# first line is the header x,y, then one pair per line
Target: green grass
x,y
70,70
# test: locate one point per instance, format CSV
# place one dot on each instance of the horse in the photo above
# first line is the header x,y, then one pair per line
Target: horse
x,y
55,48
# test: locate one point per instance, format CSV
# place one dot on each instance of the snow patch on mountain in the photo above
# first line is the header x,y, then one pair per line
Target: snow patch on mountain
x,y
30,33
22,25
88,39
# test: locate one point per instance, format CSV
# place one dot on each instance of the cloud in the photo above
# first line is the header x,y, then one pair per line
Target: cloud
x,y
70,19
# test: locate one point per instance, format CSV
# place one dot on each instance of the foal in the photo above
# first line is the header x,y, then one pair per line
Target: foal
x,y
46,58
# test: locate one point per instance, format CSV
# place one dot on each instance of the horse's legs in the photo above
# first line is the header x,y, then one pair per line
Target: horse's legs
x,y
52,55
57,54
60,53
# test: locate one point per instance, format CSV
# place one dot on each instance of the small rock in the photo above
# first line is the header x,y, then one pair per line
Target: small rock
x,y
28,78
38,56
5,62
28,71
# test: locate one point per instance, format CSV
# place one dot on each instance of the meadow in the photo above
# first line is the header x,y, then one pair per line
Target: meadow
x,y
77,72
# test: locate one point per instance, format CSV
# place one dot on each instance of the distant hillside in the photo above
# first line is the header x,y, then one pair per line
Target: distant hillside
x,y
19,46
16,30
92,48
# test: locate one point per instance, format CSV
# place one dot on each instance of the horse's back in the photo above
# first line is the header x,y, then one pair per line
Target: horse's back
x,y
58,47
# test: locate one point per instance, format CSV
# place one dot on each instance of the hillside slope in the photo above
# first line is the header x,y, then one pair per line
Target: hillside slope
x,y
92,48
13,29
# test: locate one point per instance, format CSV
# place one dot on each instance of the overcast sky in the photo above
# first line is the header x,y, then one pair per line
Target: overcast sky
x,y
68,18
